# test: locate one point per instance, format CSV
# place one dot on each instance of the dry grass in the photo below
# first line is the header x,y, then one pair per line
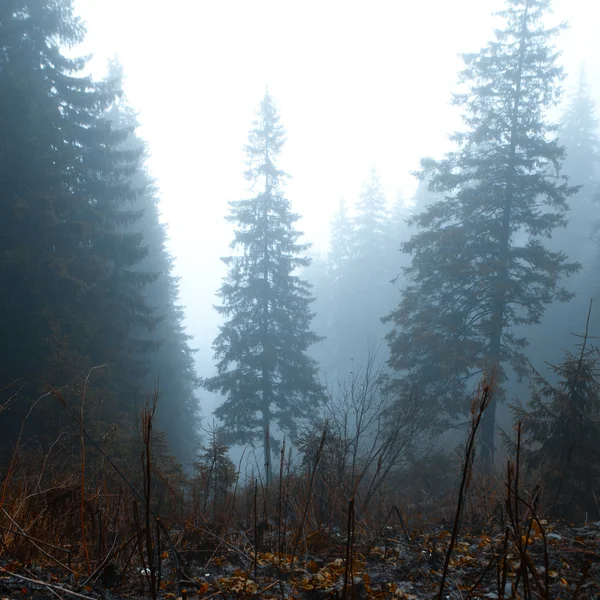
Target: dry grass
x,y
101,522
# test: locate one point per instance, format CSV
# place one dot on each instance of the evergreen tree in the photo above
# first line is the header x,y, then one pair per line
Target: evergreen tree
x,y
479,266
342,235
562,427
358,288
69,296
40,224
263,367
369,280
329,278
215,472
578,132
170,362
370,223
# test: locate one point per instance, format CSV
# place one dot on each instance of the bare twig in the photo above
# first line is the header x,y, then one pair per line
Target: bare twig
x,y
478,406
309,495
34,542
50,586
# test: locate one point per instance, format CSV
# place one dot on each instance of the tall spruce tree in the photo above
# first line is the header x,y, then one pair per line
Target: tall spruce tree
x,y
358,290
69,296
370,222
479,266
342,235
169,362
40,224
263,367
369,278
330,279
579,134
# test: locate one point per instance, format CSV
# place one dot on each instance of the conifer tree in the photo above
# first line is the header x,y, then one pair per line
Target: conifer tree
x,y
479,265
263,368
330,282
69,295
40,224
562,427
342,234
578,132
169,362
358,289
368,286
370,222
215,472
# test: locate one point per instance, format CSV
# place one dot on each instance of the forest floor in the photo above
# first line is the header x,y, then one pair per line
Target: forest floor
x,y
559,561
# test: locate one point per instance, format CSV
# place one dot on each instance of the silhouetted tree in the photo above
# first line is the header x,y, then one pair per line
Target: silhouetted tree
x,y
479,266
370,222
42,222
263,367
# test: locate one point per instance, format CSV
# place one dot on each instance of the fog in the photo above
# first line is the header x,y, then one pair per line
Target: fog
x,y
292,293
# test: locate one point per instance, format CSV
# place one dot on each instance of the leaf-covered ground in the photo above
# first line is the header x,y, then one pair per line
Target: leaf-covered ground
x,y
565,565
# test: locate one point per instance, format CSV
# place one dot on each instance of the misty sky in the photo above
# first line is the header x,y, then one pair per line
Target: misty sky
x,y
357,83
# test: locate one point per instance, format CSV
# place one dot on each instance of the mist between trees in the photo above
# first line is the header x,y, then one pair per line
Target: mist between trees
x,y
357,368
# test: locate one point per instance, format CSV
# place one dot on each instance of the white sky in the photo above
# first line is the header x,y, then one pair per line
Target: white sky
x,y
357,83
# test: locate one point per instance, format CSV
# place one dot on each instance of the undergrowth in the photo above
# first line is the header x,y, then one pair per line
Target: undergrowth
x,y
91,516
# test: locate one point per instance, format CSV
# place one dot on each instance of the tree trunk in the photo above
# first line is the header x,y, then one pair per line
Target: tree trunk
x,y
267,446
497,322
267,392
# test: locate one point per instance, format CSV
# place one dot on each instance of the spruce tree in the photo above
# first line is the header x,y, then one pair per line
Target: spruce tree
x,y
479,265
342,235
263,368
368,286
330,279
70,297
169,360
40,222
73,250
579,134
370,223
358,289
